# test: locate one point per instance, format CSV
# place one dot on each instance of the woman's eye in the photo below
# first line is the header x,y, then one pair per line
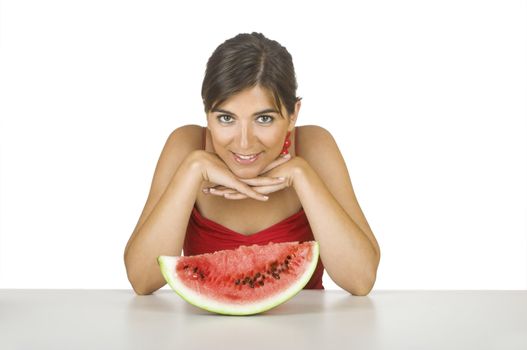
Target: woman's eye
x,y
265,119
224,118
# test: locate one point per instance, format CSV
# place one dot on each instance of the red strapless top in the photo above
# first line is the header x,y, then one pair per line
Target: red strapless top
x,y
206,236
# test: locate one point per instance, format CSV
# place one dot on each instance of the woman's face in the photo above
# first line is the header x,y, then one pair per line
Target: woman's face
x,y
248,132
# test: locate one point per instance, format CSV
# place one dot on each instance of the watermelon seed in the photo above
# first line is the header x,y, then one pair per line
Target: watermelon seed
x,y
261,283
195,269
289,257
185,267
276,276
237,282
257,275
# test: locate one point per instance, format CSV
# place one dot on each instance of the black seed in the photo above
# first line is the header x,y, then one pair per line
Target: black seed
x,y
261,283
257,275
276,276
244,282
263,277
237,282
289,257
185,267
201,275
195,269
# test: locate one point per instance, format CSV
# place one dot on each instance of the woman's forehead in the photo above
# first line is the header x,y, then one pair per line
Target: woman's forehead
x,y
249,100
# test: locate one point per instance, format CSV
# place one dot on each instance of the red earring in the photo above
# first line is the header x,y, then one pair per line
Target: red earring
x,y
287,143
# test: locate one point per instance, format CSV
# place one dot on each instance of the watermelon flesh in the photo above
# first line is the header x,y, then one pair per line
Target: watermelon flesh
x,y
243,281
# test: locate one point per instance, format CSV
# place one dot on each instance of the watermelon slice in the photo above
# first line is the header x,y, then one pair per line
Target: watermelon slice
x,y
244,281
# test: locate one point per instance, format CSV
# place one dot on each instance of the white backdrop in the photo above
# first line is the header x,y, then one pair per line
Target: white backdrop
x,y
427,101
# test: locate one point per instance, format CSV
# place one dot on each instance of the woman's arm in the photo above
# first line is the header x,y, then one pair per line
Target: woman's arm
x,y
348,248
349,256
163,231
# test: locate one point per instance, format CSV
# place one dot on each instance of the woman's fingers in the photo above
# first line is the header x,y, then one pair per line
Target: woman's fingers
x,y
214,170
263,181
270,189
255,183
242,188
220,191
235,196
230,193
236,188
279,161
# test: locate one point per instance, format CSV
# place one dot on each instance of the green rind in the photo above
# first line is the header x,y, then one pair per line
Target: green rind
x,y
167,265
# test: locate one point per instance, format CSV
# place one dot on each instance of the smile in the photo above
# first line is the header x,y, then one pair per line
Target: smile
x,y
246,159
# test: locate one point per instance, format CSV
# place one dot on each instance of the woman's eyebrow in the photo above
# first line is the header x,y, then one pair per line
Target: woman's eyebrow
x,y
268,110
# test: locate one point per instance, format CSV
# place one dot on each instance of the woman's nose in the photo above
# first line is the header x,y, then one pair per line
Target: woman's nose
x,y
246,137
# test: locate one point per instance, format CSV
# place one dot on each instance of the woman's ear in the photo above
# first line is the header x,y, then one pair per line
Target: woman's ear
x,y
293,117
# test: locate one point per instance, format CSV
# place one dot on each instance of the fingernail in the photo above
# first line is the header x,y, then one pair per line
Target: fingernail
x,y
205,190
281,178
265,197
212,189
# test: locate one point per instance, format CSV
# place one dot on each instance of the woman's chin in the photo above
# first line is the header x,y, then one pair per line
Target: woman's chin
x,y
246,173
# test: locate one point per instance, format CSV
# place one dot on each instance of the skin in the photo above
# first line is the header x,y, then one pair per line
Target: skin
x,y
236,128
262,193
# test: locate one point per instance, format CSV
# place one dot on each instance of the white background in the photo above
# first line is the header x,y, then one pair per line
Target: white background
x,y
426,99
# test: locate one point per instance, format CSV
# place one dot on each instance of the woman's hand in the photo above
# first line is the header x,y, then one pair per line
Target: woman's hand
x,y
223,181
281,168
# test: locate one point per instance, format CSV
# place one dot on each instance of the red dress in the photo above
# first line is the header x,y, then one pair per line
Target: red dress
x,y
206,236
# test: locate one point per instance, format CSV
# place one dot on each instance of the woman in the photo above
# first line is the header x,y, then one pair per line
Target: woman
x,y
251,177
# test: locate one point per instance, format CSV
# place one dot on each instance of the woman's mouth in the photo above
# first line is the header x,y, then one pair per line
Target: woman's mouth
x,y
246,158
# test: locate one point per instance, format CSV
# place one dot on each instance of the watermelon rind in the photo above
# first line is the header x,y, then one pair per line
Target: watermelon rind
x,y
168,266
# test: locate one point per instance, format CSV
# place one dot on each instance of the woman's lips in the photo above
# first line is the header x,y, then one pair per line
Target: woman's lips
x,y
249,159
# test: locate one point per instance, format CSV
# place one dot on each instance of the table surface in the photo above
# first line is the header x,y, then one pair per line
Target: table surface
x,y
313,319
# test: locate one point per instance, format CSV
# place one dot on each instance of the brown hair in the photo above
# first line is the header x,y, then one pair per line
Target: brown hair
x,y
247,60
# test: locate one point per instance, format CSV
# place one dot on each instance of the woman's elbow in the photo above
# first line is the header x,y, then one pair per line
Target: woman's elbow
x,y
141,291
363,287
139,287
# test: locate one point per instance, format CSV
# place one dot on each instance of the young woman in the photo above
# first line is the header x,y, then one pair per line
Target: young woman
x,y
251,177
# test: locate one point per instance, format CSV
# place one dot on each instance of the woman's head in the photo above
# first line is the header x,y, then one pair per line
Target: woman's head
x,y
247,60
249,93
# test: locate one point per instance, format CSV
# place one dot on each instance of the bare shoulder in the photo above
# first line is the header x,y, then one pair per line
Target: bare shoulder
x,y
179,144
316,144
187,136
318,147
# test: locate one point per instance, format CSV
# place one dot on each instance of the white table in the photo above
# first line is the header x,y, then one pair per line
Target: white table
x,y
118,319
